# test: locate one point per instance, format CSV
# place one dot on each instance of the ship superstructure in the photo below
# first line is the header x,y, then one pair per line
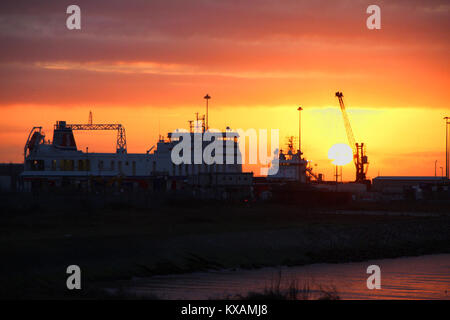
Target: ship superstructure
x,y
59,162
291,166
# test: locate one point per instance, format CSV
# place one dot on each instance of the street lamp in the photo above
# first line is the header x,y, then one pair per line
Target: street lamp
x,y
435,163
207,97
300,131
446,146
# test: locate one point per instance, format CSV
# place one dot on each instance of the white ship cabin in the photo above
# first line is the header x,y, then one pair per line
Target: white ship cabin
x,y
291,167
61,158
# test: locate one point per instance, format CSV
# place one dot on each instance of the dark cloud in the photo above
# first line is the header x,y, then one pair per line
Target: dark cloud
x,y
216,44
146,30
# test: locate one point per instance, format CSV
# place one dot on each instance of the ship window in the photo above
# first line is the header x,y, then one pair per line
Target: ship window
x,y
37,165
100,164
53,164
66,165
112,165
84,165
69,165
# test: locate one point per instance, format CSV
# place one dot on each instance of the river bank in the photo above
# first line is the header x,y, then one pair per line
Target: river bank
x,y
122,243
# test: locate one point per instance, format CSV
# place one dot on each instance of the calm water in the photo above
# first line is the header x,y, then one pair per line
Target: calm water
x,y
424,277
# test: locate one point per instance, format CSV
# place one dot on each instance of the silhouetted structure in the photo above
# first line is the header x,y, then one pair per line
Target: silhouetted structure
x,y
359,153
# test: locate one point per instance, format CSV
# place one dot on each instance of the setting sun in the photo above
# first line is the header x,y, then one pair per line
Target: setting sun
x,y
341,154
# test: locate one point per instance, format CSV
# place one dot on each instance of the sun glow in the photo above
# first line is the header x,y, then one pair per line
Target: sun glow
x,y
341,154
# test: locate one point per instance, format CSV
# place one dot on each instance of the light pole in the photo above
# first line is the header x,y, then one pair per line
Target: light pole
x,y
207,97
442,172
435,163
446,146
337,176
300,131
299,165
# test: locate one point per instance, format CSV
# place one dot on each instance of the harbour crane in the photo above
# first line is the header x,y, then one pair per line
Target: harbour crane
x,y
359,151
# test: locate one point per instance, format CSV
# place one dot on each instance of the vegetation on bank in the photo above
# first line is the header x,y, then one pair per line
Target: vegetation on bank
x,y
292,290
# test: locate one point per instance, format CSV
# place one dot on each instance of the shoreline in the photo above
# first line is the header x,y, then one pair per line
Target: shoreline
x,y
319,281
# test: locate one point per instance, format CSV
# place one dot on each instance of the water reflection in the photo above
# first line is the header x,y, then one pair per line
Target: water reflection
x,y
424,277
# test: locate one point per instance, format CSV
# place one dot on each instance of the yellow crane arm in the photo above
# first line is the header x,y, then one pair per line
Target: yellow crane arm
x,y
348,128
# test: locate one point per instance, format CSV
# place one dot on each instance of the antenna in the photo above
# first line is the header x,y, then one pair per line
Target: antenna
x,y
196,122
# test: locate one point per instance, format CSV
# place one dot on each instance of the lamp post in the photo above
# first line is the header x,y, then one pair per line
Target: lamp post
x,y
435,163
300,130
207,97
446,146
336,175
300,168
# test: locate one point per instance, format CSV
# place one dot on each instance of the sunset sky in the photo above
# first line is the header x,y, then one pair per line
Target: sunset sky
x,y
148,64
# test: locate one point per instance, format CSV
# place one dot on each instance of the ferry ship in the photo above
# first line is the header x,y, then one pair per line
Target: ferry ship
x,y
60,163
